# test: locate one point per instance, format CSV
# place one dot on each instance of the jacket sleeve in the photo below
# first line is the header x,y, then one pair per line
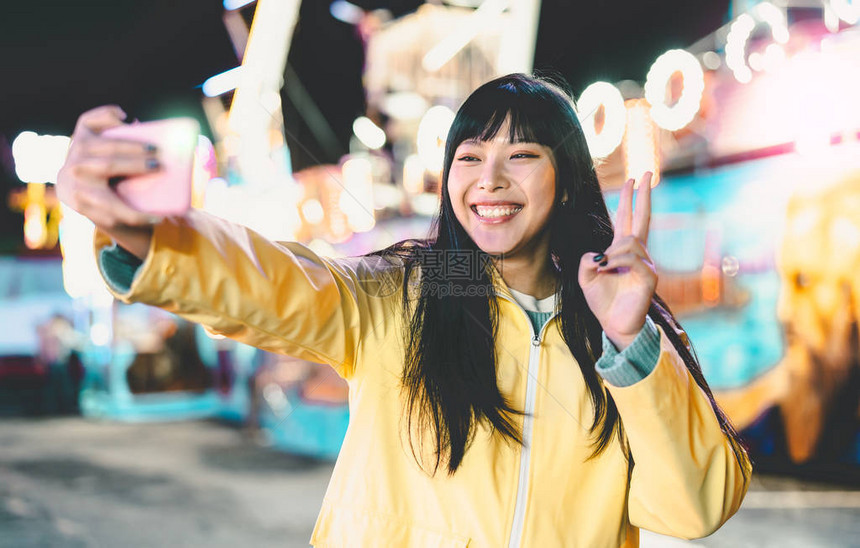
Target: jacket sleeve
x,y
278,296
635,362
686,481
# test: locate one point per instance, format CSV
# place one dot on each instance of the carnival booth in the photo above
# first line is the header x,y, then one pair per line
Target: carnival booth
x,y
39,369
756,222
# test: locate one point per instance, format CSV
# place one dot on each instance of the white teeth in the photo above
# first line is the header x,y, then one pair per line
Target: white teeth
x,y
492,212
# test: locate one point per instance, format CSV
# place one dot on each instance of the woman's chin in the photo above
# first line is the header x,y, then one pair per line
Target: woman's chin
x,y
495,250
497,244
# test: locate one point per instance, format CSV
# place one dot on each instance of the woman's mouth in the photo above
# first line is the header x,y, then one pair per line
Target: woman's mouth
x,y
496,214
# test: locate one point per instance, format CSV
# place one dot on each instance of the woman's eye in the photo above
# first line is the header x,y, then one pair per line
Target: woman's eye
x,y
524,155
467,158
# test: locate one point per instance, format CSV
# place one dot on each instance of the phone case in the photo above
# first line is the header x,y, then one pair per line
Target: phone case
x,y
167,191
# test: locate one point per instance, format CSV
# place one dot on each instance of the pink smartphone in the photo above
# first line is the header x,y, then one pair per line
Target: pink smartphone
x,y
167,191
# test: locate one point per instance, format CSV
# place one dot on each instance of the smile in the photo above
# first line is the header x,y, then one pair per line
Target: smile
x,y
496,214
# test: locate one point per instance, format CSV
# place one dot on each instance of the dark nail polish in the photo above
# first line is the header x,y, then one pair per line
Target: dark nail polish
x,y
599,257
604,262
152,164
151,149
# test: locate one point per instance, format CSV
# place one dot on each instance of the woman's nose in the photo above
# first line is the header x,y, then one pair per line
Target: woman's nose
x,y
492,177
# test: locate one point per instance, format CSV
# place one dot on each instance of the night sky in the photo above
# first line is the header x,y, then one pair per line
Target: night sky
x,y
60,58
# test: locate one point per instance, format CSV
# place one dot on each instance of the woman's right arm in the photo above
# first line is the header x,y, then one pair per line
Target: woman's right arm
x,y
278,296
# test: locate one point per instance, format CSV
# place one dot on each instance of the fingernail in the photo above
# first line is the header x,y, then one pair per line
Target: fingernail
x,y
154,220
599,257
151,149
604,262
152,164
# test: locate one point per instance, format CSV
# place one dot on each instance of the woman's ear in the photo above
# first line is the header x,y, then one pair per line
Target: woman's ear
x,y
565,198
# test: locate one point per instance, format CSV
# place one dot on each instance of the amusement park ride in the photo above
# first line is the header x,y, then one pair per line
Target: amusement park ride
x,y
752,132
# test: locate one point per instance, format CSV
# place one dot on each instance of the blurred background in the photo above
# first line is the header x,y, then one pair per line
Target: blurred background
x,y
324,122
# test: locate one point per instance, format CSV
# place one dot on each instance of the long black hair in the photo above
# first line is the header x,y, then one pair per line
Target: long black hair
x,y
449,376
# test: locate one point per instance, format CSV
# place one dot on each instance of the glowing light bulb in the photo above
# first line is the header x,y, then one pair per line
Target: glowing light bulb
x,y
684,110
313,212
371,135
602,98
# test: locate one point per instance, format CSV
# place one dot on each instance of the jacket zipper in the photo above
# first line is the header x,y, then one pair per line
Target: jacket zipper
x,y
525,453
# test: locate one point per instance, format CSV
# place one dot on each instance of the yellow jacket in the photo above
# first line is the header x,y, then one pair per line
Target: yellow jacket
x,y
283,297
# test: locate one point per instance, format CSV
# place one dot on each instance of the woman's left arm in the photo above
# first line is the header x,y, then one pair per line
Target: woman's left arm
x,y
687,480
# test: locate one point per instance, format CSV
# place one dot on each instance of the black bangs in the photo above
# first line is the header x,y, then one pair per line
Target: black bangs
x,y
530,109
518,130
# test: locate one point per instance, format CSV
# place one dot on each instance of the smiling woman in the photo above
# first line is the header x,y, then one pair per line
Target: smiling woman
x,y
517,381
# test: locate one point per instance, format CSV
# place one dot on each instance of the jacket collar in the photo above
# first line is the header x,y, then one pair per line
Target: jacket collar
x,y
502,289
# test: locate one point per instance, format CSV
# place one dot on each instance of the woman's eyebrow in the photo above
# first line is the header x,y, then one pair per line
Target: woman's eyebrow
x,y
528,144
523,140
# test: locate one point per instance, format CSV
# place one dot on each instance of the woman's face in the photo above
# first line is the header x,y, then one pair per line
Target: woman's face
x,y
502,193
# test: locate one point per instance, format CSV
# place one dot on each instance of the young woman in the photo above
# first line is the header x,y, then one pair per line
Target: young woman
x,y
522,385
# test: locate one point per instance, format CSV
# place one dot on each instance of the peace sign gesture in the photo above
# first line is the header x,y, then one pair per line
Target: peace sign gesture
x,y
619,283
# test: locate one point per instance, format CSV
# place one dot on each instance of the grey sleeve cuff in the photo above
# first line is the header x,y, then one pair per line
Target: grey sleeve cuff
x,y
635,362
118,267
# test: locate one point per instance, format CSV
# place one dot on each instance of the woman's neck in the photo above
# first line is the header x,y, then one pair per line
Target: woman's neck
x,y
526,275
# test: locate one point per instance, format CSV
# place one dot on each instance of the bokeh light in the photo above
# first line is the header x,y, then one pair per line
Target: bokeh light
x,y
684,110
601,104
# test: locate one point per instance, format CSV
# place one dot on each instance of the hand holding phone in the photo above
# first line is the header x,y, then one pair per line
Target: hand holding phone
x,y
166,191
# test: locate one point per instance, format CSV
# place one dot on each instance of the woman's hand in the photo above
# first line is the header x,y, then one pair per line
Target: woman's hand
x,y
83,181
619,283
